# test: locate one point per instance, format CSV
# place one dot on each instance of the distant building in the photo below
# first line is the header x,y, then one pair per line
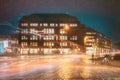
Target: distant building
x,y
96,43
3,45
54,34
9,43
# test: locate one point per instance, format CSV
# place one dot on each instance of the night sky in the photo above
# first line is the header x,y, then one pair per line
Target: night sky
x,y
102,15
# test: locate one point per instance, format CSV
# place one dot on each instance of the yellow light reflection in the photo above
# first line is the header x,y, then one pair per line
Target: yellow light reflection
x,y
65,72
86,73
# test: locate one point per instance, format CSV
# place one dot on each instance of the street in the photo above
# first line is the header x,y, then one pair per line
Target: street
x,y
52,67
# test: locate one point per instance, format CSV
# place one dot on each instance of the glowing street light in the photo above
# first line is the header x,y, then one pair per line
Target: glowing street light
x,y
66,27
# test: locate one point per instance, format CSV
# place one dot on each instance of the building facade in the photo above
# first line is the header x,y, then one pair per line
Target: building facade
x,y
9,43
54,34
49,34
96,43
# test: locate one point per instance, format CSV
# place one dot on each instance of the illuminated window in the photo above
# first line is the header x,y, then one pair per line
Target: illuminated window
x,y
89,50
24,37
63,43
45,44
23,44
45,24
63,37
33,31
90,36
73,38
56,25
89,40
62,31
33,24
49,44
48,38
40,24
90,32
61,25
73,25
33,44
24,24
33,37
89,44
52,25
24,31
49,30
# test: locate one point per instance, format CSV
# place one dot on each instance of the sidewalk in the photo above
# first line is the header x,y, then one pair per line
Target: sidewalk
x,y
9,55
115,63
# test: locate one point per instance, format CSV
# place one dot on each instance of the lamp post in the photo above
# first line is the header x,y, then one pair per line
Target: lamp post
x,y
66,28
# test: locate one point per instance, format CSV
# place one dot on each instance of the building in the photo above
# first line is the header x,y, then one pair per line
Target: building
x,y
3,46
96,43
9,43
52,34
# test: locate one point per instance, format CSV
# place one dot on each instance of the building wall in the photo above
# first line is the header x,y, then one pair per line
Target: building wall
x,y
47,34
97,43
3,45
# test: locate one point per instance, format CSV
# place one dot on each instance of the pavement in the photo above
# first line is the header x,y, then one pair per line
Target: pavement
x,y
56,67
115,63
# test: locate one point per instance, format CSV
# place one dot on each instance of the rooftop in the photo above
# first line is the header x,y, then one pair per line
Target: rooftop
x,y
49,18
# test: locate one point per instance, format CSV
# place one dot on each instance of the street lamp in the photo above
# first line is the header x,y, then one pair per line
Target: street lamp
x,y
66,28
